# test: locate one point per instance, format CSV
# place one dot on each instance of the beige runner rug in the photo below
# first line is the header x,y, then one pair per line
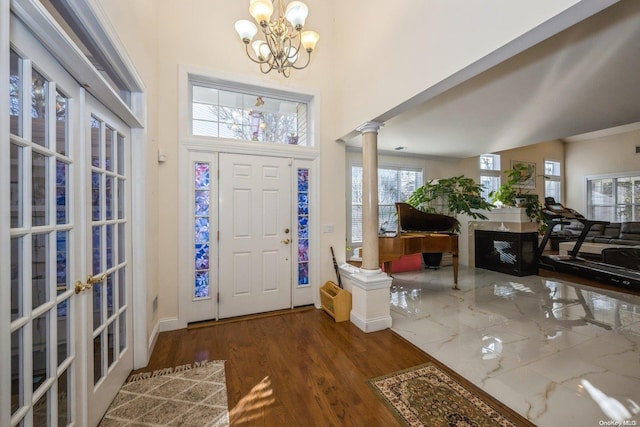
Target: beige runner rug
x,y
426,395
185,395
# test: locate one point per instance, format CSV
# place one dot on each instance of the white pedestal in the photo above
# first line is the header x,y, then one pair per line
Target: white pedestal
x,y
370,293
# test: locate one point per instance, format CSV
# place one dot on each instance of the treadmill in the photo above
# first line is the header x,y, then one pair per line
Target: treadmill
x,y
556,214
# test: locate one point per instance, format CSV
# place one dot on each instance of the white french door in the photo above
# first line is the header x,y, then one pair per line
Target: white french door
x,y
45,236
255,234
68,226
107,289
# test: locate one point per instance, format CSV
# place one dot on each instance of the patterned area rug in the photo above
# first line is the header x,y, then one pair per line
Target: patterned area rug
x,y
427,396
182,396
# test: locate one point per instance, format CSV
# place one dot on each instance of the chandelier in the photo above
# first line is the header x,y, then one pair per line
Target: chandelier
x,y
283,37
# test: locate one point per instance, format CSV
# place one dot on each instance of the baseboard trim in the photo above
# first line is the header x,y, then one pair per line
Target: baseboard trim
x,y
371,325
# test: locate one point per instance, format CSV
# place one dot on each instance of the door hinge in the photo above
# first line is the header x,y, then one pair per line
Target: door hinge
x,y
218,297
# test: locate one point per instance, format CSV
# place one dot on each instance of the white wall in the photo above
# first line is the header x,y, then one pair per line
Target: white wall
x,y
603,155
135,24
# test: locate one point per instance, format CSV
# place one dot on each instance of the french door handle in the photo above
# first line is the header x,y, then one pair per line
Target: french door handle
x,y
91,280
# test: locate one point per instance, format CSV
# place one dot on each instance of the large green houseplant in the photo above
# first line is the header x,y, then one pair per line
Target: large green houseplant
x,y
449,196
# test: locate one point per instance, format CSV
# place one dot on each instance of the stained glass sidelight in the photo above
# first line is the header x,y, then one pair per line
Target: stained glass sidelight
x,y
303,227
202,219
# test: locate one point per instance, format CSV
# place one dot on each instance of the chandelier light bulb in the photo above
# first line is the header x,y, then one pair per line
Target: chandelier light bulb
x,y
261,10
292,54
297,13
261,49
246,30
309,39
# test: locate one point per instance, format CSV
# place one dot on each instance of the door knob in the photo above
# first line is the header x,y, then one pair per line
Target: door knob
x,y
91,280
285,241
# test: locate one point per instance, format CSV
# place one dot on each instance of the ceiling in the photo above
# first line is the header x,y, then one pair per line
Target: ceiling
x,y
585,79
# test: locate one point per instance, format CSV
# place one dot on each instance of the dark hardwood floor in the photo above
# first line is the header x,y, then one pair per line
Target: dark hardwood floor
x,y
296,368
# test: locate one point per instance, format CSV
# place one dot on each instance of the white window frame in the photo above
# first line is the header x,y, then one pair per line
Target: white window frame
x,y
496,172
587,188
553,178
384,164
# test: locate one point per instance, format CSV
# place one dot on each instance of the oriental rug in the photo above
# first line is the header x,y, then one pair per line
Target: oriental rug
x,y
426,395
187,395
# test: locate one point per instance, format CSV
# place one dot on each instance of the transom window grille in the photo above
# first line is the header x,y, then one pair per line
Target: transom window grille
x,y
614,199
394,185
552,180
248,116
489,173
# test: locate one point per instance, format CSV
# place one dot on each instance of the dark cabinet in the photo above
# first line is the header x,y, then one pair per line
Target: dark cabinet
x,y
510,253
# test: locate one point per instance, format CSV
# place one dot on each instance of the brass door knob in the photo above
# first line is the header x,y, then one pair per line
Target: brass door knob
x,y
91,280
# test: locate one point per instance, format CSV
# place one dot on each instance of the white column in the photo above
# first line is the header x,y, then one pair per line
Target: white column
x,y
370,259
370,287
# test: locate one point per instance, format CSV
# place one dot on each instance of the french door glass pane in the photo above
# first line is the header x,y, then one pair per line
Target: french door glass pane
x,y
17,370
109,145
109,248
16,169
110,290
64,350
97,358
108,198
121,195
121,243
120,155
15,94
39,214
122,296
62,120
62,202
39,109
97,306
41,410
40,350
16,277
62,265
96,127
64,403
95,195
40,269
96,258
111,344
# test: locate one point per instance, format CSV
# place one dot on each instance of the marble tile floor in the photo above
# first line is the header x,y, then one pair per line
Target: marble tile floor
x,y
558,353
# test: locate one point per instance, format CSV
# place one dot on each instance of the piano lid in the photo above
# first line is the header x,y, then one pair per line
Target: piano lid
x,y
411,219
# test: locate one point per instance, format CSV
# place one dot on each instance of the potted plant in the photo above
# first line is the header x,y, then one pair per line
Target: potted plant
x,y
449,196
516,192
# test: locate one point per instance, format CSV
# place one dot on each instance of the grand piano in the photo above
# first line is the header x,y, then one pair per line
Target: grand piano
x,y
420,232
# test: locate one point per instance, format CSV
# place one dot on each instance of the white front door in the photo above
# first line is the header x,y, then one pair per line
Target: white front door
x,y
255,255
109,353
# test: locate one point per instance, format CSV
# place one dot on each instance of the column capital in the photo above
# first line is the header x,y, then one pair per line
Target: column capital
x,y
370,127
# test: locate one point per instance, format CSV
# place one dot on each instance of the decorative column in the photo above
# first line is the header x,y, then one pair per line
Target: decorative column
x,y
370,261
370,309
